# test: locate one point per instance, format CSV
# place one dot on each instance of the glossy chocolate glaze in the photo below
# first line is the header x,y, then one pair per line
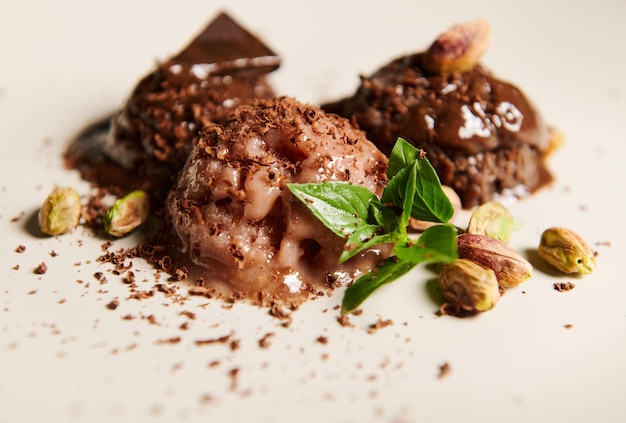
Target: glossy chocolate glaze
x,y
481,133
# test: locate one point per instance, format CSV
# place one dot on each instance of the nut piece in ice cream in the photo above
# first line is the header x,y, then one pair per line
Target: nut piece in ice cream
x,y
60,212
469,286
567,251
510,267
234,216
459,49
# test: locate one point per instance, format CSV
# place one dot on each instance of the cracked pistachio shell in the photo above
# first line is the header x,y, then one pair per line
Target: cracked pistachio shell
x,y
127,213
567,251
60,212
492,219
510,267
469,285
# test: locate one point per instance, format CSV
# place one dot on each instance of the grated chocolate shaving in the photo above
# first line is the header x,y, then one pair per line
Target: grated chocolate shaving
x,y
564,286
41,268
265,341
380,323
221,340
444,370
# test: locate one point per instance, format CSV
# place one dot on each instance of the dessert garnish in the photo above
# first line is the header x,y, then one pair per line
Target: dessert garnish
x,y
492,219
127,213
60,212
468,286
364,220
510,267
567,251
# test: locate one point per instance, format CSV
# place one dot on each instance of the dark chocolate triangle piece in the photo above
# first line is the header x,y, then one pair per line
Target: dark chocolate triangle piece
x,y
224,46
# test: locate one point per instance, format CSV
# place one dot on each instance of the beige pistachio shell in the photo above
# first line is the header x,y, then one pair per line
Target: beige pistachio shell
x,y
510,267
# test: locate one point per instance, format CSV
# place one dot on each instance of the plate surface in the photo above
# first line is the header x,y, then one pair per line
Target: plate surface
x,y
540,355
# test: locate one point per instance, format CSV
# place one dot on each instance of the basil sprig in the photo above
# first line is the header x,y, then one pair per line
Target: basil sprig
x,y
364,221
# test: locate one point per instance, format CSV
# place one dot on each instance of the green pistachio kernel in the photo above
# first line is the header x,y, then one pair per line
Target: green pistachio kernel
x,y
127,213
492,219
469,286
567,251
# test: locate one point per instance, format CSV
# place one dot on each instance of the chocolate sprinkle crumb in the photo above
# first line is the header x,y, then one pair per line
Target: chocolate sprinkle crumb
x,y
380,323
322,339
265,341
18,217
113,304
188,314
20,249
172,340
564,286
41,268
344,320
220,340
444,370
233,378
99,276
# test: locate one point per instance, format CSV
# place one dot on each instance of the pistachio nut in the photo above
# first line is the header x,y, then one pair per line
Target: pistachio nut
x,y
510,267
458,49
492,219
567,251
469,286
455,200
60,212
127,213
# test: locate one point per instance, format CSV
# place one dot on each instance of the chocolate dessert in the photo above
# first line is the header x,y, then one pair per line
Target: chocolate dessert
x,y
233,215
149,139
482,135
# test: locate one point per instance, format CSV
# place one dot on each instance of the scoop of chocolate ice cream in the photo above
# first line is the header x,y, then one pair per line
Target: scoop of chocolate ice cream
x,y
482,134
234,216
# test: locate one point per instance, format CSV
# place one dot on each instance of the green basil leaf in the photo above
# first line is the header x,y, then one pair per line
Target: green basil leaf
x,y
388,271
431,202
437,244
408,196
348,253
402,155
356,242
386,218
340,206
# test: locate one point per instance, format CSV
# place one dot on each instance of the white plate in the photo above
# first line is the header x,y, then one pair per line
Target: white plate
x,y
65,357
